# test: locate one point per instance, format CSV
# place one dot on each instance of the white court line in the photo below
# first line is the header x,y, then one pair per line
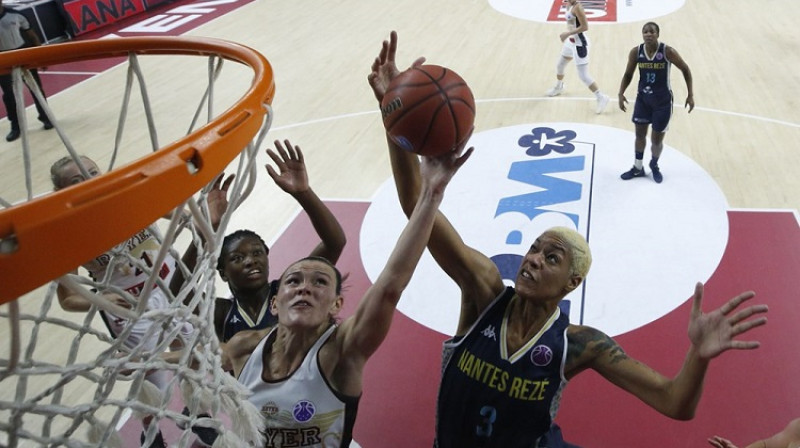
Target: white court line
x,y
506,100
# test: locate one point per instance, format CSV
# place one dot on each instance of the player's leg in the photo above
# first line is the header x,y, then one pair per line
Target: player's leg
x,y
582,64
42,114
10,103
138,337
641,119
661,118
567,54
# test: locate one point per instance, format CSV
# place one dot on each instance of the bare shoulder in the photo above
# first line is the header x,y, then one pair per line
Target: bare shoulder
x,y
671,52
585,345
244,342
793,428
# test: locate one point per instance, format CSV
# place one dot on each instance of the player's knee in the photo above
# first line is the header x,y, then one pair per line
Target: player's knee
x,y
561,65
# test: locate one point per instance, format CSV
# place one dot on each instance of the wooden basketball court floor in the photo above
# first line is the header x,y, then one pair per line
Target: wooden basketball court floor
x,y
742,134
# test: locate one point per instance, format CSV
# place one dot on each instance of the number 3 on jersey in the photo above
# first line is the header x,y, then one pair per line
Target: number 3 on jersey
x,y
488,416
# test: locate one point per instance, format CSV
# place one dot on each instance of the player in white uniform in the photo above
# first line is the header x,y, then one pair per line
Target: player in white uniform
x,y
576,46
306,372
114,269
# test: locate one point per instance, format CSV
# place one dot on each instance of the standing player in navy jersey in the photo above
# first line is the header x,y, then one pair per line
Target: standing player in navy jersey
x,y
514,351
654,96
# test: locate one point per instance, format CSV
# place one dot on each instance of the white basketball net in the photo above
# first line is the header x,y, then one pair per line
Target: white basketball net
x,y
55,391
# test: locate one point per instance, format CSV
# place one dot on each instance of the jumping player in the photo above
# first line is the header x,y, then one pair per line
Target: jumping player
x,y
244,259
514,351
653,98
305,373
576,46
114,270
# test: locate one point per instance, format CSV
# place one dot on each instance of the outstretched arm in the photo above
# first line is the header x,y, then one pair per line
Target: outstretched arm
x,y
711,334
71,300
217,201
675,58
364,332
292,178
477,276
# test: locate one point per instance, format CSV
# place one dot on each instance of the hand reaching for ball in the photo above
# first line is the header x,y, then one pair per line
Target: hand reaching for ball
x,y
384,68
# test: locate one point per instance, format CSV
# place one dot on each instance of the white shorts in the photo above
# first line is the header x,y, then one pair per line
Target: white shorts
x,y
570,50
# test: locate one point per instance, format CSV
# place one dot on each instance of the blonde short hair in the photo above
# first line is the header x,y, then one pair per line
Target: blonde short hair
x,y
580,254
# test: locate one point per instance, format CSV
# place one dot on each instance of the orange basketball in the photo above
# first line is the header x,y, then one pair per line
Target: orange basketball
x,y
428,110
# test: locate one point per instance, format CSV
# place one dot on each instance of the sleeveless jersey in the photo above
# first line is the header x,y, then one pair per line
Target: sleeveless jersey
x,y
490,398
238,320
654,71
580,39
301,410
114,269
113,266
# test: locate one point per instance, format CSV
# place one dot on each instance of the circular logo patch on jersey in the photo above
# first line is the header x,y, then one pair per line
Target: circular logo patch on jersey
x,y
541,355
523,179
601,11
270,409
304,411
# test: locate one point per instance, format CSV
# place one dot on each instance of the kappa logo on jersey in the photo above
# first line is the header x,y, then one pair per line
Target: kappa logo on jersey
x,y
235,319
541,355
489,332
304,411
597,11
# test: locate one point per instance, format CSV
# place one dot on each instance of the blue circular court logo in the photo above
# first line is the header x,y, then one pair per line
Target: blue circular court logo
x,y
523,179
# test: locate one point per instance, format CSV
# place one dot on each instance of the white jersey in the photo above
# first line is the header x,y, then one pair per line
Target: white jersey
x,y
580,39
114,267
301,410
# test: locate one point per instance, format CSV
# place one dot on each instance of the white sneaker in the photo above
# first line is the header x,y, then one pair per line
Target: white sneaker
x,y
602,102
556,90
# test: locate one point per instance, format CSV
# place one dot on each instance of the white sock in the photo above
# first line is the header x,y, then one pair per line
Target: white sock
x,y
638,164
598,94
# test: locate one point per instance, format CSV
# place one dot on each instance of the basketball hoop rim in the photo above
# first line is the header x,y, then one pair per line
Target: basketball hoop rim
x,y
86,219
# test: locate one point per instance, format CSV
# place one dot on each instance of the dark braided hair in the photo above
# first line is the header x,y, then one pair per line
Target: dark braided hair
x,y
232,238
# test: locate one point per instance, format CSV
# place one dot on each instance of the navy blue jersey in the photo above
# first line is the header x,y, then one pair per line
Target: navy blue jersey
x,y
491,398
238,320
654,71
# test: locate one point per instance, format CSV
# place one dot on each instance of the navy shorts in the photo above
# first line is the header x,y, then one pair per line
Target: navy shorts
x,y
653,109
